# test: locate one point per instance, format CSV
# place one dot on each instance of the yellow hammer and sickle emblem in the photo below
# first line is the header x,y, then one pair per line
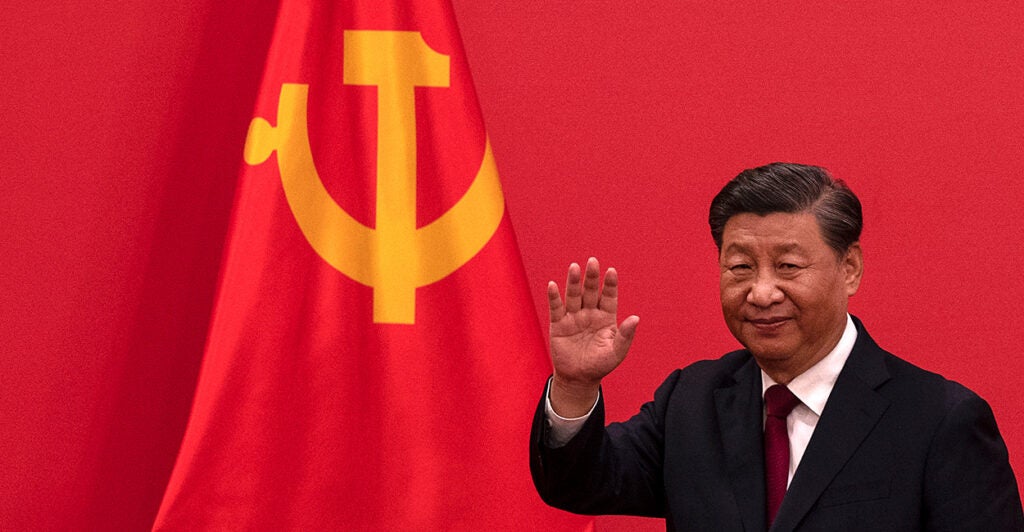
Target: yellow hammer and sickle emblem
x,y
395,257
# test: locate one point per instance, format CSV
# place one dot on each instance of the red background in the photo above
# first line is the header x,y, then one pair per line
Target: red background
x,y
613,126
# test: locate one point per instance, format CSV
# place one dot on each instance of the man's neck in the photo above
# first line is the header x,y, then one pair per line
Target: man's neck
x,y
784,371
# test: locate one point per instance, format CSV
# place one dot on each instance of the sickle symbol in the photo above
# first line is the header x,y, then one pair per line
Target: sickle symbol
x,y
395,257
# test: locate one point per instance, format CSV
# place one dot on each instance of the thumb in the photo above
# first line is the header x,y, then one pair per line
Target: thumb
x,y
624,336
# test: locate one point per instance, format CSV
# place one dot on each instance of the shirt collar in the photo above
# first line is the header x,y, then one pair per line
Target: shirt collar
x,y
814,386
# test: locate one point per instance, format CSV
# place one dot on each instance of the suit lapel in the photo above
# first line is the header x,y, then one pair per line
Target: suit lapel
x,y
852,410
739,412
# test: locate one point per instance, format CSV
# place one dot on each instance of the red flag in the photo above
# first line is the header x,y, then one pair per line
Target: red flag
x,y
373,359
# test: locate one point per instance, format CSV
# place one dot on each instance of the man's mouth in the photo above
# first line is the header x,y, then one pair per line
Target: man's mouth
x,y
768,325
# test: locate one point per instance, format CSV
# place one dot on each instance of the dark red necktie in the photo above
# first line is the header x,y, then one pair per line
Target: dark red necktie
x,y
778,402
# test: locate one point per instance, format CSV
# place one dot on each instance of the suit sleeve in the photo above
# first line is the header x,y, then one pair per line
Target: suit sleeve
x,y
969,484
605,470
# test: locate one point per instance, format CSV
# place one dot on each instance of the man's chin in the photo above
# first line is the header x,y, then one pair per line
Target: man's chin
x,y
769,352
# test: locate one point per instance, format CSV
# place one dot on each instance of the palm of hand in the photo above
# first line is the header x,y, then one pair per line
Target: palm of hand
x,y
583,344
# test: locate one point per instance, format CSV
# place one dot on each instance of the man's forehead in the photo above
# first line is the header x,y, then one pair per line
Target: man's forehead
x,y
753,243
781,232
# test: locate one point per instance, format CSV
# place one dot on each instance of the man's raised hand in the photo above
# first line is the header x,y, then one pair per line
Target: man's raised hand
x,y
586,344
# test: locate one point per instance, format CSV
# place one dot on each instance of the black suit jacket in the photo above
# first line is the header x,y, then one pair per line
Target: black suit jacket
x,y
896,448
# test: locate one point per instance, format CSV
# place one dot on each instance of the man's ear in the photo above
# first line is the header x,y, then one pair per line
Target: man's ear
x,y
853,267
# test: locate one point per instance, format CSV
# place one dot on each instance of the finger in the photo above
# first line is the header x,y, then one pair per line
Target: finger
x,y
624,336
591,284
573,290
610,292
555,307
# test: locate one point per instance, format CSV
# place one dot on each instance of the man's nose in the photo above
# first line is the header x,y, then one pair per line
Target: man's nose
x,y
765,290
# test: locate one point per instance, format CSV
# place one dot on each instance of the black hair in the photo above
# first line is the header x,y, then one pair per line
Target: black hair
x,y
791,188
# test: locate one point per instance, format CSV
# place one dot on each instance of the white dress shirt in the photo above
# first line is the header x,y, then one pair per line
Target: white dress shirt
x,y
812,387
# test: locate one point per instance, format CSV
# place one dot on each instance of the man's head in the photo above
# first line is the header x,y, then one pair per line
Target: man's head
x,y
788,239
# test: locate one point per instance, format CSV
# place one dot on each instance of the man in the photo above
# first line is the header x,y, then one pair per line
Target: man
x,y
852,437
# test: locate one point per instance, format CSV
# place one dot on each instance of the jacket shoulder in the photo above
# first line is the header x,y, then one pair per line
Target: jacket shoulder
x,y
716,371
907,378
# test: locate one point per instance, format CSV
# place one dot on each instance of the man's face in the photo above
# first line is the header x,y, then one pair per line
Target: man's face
x,y
784,290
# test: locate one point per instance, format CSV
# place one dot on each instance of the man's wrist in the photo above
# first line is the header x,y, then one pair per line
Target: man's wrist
x,y
562,429
572,399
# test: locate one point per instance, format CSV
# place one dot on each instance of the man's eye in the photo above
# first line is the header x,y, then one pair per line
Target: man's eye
x,y
787,267
739,267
